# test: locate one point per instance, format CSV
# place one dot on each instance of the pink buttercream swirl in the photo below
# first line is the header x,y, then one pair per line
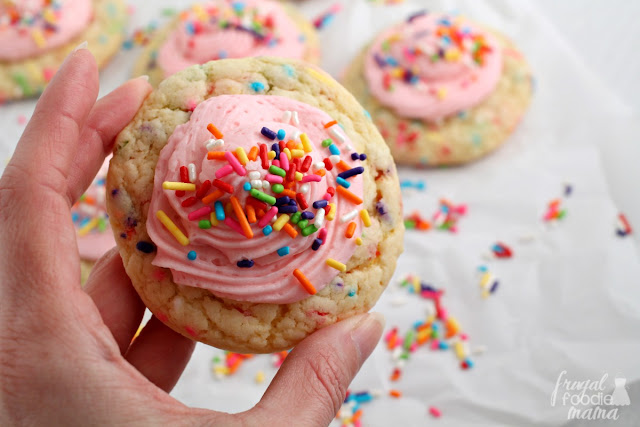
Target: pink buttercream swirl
x,y
231,29
219,249
433,66
30,28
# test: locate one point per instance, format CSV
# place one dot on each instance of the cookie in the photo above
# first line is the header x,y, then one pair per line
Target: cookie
x,y
37,36
89,216
247,220
442,90
223,29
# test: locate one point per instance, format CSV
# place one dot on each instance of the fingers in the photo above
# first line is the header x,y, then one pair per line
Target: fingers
x,y
49,143
120,306
312,383
160,354
107,118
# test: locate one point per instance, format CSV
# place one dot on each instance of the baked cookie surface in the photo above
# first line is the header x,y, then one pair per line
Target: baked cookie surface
x,y
441,111
177,46
246,323
22,77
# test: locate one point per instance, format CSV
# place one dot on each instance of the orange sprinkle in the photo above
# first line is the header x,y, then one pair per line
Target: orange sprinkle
x,y
242,218
289,193
260,213
321,172
212,197
395,393
290,230
291,145
253,153
342,166
306,284
216,155
251,214
91,201
348,195
214,131
328,125
351,228
356,416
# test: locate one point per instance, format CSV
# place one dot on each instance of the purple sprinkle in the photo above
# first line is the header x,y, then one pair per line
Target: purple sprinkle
x,y
276,149
282,201
131,222
145,247
354,156
316,244
114,192
293,203
268,133
308,215
494,287
288,209
123,235
380,60
363,157
380,208
351,172
245,263
417,15
319,204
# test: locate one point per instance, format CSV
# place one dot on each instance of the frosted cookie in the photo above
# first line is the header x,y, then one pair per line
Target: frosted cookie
x,y
222,29
89,215
249,220
37,35
441,89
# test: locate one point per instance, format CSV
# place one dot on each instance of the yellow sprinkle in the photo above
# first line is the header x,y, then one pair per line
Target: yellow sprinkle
x,y
49,16
220,369
434,136
178,186
38,38
366,220
397,73
337,265
280,222
242,156
458,347
214,219
359,241
332,212
416,285
271,155
452,54
88,227
297,153
299,146
321,76
173,229
442,93
452,327
299,176
306,144
200,12
486,277
287,152
260,377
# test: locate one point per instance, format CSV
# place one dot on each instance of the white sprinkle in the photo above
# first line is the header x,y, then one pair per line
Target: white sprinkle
x,y
400,363
212,144
319,222
318,165
266,186
304,188
334,159
192,172
296,135
254,175
398,301
376,392
256,183
286,117
89,210
397,352
296,120
348,217
337,135
349,147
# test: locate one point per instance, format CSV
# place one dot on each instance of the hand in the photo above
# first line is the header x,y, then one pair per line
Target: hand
x,y
66,355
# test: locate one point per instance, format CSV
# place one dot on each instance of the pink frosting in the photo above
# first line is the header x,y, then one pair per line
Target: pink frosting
x,y
99,239
429,67
199,38
29,28
240,118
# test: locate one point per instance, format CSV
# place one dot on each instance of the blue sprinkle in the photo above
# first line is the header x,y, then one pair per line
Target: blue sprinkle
x,y
483,269
352,292
320,204
145,247
267,230
469,362
219,211
223,54
442,345
247,186
75,217
367,114
289,70
192,255
283,251
334,149
281,134
257,86
190,28
238,6
245,263
84,222
343,182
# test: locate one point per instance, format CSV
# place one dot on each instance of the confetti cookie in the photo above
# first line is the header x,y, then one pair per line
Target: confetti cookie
x,y
247,219
228,29
37,35
90,218
442,90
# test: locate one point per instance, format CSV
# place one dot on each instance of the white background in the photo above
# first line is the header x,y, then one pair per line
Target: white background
x,y
569,300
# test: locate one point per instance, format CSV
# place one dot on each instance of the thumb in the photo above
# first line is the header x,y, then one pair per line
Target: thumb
x,y
312,383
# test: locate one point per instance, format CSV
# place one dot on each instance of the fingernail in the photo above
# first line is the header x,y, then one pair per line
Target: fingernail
x,y
83,45
366,333
144,77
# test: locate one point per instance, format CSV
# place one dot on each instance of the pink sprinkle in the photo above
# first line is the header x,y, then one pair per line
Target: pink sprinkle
x,y
322,235
464,337
48,73
233,224
391,333
191,105
224,171
235,164
267,217
191,331
413,347
435,412
274,179
275,162
162,317
327,197
159,274
435,344
430,294
200,213
284,161
311,178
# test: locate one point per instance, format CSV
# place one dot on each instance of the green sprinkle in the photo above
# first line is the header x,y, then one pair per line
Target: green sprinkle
x,y
327,142
562,214
309,230
302,224
277,188
263,197
102,225
408,340
277,171
295,218
204,224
